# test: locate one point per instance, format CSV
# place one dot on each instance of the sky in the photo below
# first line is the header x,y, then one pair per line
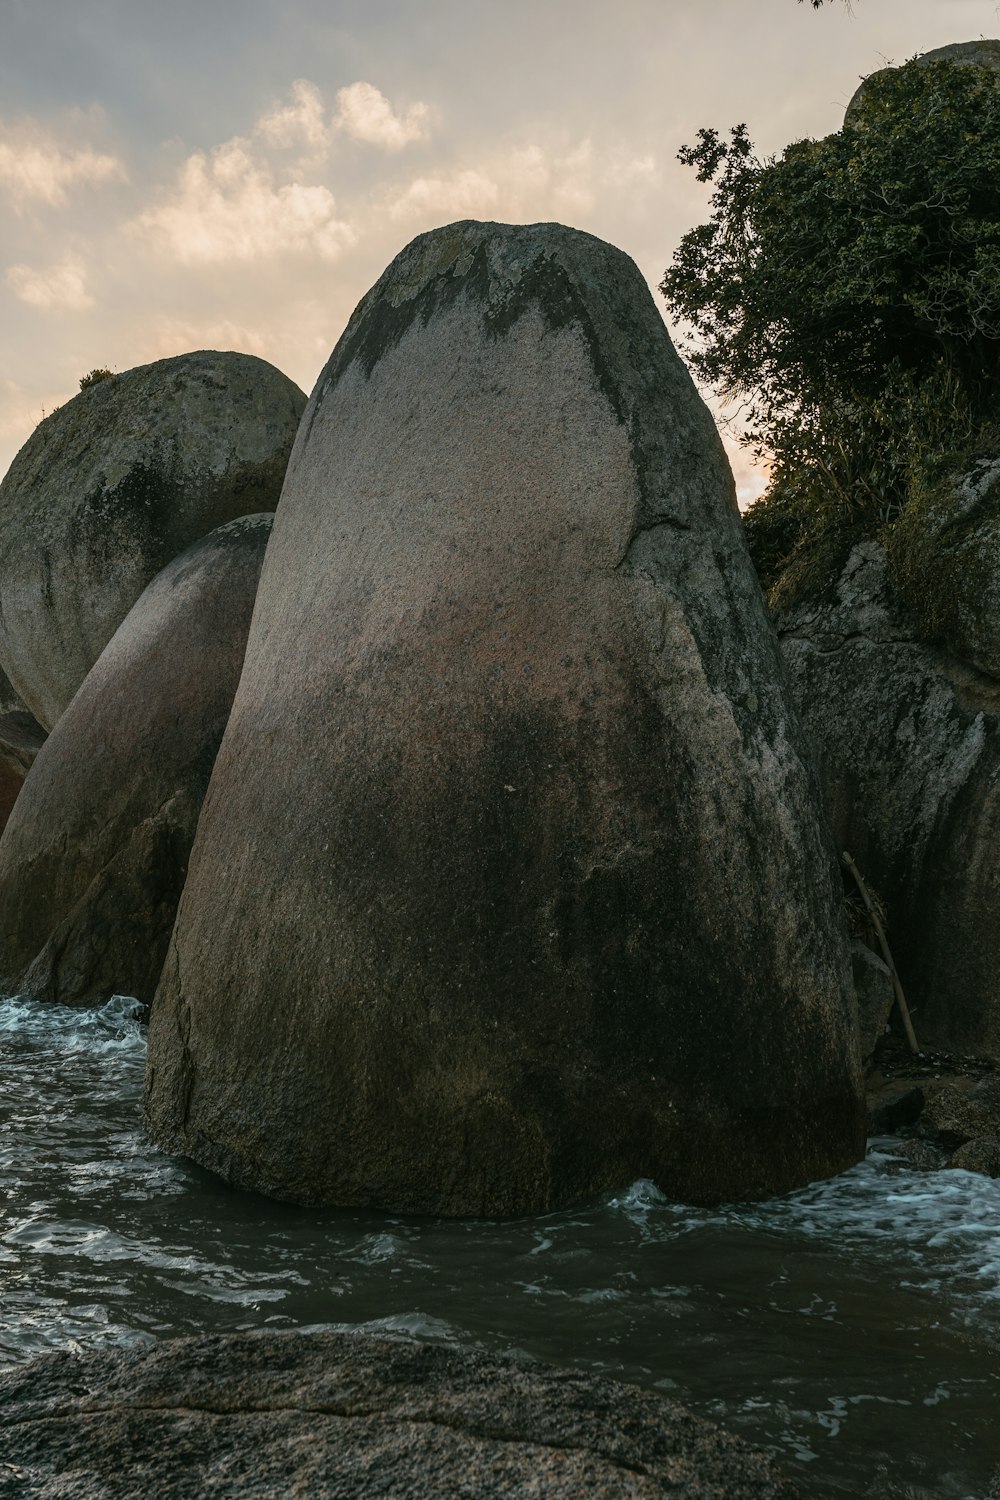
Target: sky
x,y
235,174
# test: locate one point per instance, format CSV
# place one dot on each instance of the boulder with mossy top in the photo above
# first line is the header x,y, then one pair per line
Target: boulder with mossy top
x,y
511,884
114,485
907,741
982,53
93,858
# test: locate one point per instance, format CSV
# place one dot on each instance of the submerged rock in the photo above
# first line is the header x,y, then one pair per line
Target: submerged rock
x,y
116,483
266,1416
511,884
907,740
93,858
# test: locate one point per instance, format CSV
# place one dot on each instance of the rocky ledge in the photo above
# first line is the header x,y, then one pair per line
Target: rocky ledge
x,y
349,1414
944,1109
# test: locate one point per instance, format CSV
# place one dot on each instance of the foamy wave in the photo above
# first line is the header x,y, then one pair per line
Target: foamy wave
x,y
69,1028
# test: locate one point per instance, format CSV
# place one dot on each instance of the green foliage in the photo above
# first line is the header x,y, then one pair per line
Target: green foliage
x,y
93,377
943,551
848,294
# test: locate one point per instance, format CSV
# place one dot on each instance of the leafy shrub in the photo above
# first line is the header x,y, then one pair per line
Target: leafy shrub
x,y
848,293
93,377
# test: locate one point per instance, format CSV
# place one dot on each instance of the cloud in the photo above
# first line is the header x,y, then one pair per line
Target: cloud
x,y
751,477
62,287
365,114
301,123
469,194
22,410
227,207
523,183
362,112
168,335
34,166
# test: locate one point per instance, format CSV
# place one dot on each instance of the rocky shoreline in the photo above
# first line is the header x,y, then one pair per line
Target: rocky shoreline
x,y
256,1416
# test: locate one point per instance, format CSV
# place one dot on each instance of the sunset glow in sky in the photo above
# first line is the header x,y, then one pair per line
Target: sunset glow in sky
x,y
235,174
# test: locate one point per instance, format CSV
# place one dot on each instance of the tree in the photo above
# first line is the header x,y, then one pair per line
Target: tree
x,y
848,293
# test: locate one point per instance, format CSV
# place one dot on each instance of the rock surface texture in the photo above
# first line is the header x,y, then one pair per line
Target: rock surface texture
x,y
21,738
876,997
93,858
510,885
907,739
267,1416
945,564
113,486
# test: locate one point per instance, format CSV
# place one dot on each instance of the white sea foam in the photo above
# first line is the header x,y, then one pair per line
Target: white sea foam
x,y
62,1028
794,1320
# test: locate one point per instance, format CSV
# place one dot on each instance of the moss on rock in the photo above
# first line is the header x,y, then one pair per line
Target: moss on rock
x,y
944,561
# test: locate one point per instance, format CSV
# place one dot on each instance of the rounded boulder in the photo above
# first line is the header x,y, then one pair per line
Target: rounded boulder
x,y
94,854
114,485
511,884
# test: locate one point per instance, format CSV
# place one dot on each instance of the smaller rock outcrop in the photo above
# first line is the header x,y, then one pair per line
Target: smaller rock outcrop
x,y
907,740
93,858
349,1414
115,484
954,1115
946,1111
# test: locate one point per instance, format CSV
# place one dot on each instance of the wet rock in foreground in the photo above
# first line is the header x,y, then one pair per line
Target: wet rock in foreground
x,y
344,1415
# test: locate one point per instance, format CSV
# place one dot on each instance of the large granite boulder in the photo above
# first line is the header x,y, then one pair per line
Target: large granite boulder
x,y
267,1416
511,883
93,858
21,738
114,485
907,739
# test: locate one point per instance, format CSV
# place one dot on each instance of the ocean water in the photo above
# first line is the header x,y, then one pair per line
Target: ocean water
x,y
852,1328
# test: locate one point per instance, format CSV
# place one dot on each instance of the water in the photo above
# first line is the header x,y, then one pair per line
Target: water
x,y
851,1328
